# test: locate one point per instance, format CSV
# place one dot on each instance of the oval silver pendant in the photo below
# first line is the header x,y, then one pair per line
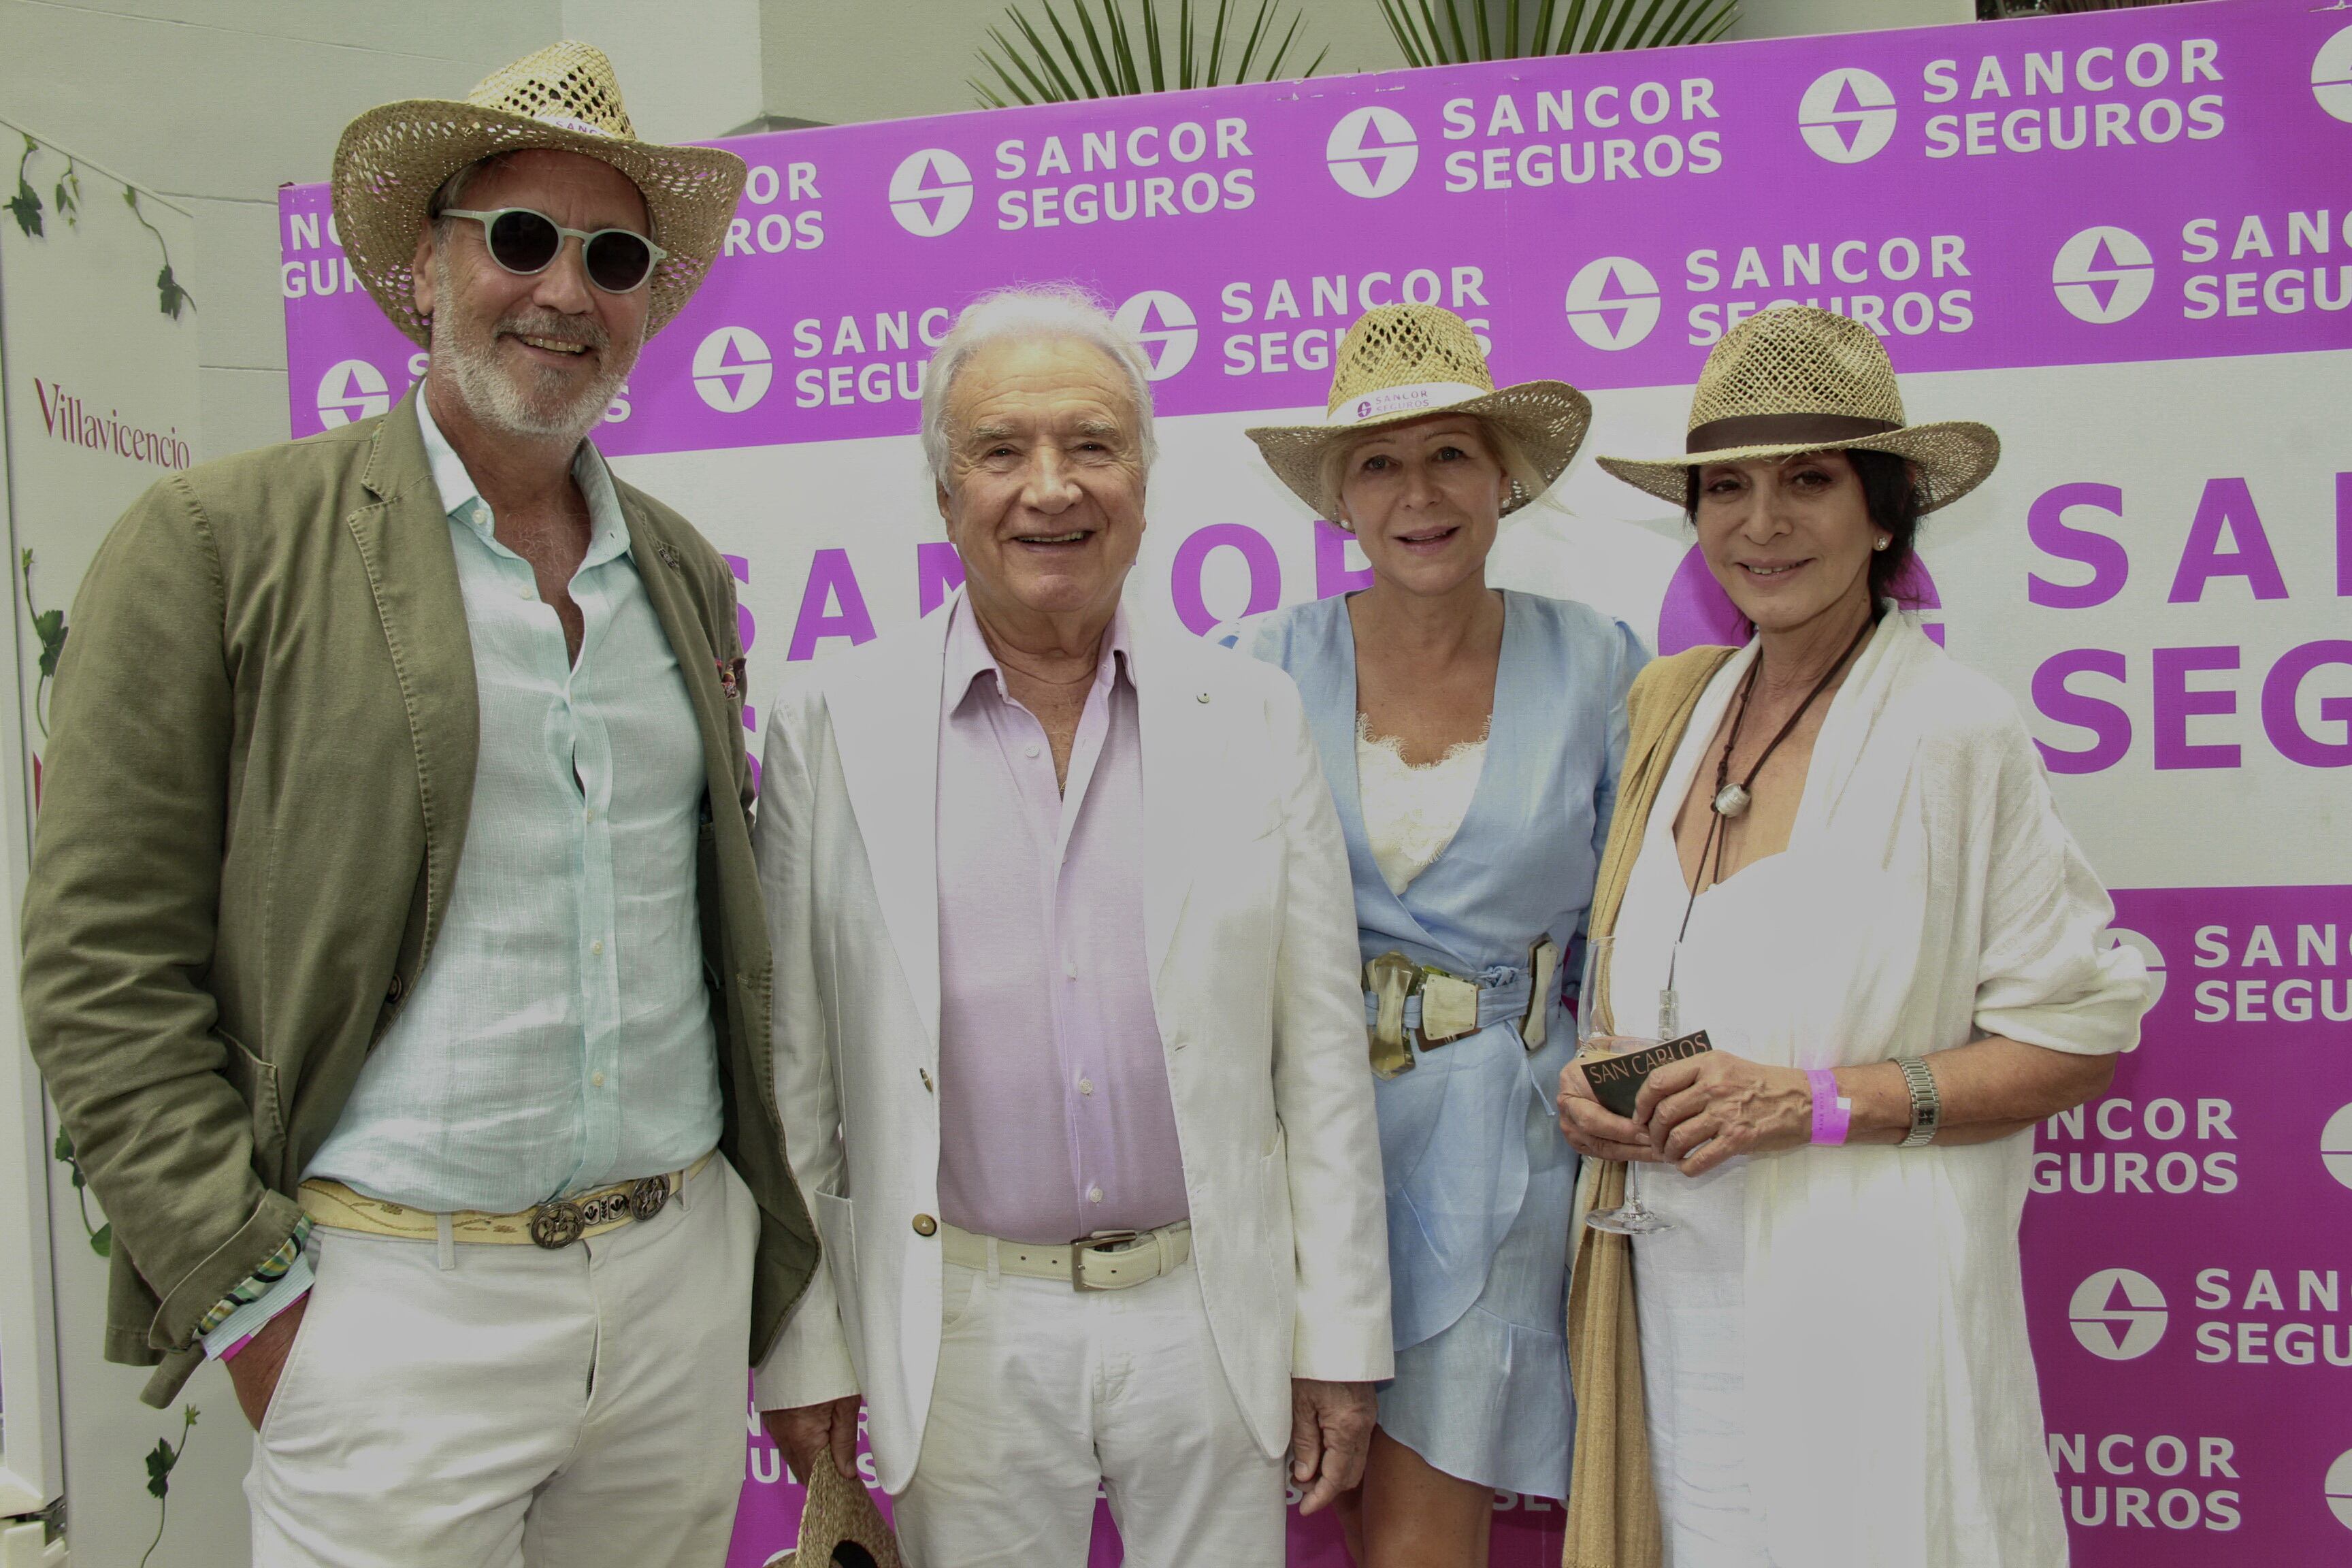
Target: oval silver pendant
x,y
1731,801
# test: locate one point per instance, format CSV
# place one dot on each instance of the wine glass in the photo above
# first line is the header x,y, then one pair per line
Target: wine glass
x,y
1596,1037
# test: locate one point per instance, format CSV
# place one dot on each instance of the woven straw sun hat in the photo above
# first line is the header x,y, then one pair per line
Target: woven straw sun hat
x,y
1401,363
564,98
1797,379
840,1525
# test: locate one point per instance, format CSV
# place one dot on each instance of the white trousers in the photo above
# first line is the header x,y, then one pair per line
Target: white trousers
x,y
571,1409
1044,1392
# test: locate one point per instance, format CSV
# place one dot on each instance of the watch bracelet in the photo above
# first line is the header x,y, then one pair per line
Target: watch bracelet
x,y
1926,1104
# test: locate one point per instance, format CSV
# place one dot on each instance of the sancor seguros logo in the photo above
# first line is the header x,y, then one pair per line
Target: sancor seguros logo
x,y
1373,151
2118,1315
1166,328
1847,116
2335,1145
2339,1488
2331,75
930,192
1613,303
352,389
731,385
2104,274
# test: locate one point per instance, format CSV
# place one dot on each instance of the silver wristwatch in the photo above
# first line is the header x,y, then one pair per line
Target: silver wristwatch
x,y
1926,1105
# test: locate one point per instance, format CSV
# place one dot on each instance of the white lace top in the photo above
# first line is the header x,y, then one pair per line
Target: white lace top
x,y
1410,813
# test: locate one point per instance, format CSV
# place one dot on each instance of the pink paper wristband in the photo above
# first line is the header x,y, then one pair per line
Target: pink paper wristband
x,y
1832,1115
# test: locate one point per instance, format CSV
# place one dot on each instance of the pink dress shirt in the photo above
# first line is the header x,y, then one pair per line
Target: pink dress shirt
x,y
1056,1119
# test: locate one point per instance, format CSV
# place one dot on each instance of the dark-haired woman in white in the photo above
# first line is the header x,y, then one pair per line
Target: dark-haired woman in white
x,y
1835,852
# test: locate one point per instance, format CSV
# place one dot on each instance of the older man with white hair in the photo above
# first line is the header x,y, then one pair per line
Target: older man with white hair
x,y
1069,1041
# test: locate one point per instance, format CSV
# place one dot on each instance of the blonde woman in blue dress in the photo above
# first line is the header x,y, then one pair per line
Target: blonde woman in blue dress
x,y
1471,739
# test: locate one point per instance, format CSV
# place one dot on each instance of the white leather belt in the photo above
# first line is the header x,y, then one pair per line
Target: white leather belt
x,y
1107,1260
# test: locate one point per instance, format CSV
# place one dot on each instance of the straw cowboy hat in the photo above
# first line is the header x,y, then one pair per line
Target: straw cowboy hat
x,y
564,98
1401,363
1797,379
840,1525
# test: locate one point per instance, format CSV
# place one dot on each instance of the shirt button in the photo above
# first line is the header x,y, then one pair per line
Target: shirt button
x,y
1086,1086
596,946
1069,969
522,593
1094,1194
591,813
1030,751
597,1079
926,1225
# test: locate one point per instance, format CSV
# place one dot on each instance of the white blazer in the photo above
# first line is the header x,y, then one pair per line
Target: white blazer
x,y
1251,935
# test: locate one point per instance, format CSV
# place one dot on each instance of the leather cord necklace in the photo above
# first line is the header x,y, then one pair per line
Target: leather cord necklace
x,y
1731,801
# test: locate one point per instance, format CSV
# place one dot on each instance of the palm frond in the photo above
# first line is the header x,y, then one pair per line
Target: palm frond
x,y
1438,32
1098,48
1062,91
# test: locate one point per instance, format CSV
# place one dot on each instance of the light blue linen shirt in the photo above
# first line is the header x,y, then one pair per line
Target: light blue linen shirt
x,y
560,1038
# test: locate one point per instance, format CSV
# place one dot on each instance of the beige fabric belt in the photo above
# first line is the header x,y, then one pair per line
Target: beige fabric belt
x,y
1107,1260
553,1225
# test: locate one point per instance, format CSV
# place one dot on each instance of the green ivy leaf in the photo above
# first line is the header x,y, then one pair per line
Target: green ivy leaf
x,y
101,1240
160,1461
173,296
65,1149
26,207
49,625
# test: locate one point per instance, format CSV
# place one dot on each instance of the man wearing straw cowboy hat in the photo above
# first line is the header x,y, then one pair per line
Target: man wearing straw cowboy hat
x,y
395,950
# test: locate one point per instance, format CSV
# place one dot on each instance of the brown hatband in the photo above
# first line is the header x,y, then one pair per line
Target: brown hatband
x,y
1781,430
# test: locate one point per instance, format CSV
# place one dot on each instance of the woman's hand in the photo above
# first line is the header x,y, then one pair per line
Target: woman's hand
x,y
1701,1110
1592,1129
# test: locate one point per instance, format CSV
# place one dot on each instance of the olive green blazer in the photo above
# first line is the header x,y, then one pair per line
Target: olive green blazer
x,y
261,757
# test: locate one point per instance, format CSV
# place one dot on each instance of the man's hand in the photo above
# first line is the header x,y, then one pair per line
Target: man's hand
x,y
1330,1433
255,1370
805,1432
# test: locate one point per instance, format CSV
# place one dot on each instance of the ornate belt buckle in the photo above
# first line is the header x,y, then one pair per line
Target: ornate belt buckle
x,y
1449,1008
557,1225
1085,1244
648,1197
1391,978
1543,963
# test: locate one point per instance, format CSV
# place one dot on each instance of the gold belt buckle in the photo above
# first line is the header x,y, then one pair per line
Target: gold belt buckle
x,y
1543,964
1449,1008
1391,978
1095,1243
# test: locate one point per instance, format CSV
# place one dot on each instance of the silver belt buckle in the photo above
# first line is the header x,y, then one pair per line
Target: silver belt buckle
x,y
556,1225
1095,1243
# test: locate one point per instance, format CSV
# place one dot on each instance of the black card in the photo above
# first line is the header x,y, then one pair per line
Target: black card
x,y
1617,1080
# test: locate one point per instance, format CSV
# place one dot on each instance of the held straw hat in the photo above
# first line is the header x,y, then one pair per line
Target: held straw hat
x,y
1401,363
1797,379
840,1525
392,159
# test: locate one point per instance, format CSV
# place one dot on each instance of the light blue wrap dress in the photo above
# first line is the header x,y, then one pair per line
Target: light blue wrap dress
x,y
1479,1179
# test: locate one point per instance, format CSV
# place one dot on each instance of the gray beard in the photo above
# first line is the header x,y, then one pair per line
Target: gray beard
x,y
489,390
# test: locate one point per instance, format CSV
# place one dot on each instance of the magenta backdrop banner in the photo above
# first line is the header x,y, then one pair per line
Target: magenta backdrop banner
x,y
2124,239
